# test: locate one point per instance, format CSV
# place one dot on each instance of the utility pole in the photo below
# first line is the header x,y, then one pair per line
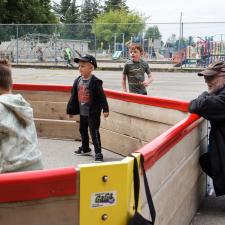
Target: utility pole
x,y
95,42
180,39
123,48
115,42
17,44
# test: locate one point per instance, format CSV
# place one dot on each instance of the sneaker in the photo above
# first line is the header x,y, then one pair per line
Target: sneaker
x,y
99,157
81,152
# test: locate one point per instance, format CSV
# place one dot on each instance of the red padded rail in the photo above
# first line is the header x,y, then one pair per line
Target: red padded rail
x,y
148,100
124,96
154,150
42,87
24,186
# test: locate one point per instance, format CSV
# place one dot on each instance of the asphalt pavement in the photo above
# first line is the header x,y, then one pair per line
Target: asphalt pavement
x,y
179,85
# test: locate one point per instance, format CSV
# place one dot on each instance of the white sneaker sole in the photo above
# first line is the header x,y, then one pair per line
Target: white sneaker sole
x,y
83,154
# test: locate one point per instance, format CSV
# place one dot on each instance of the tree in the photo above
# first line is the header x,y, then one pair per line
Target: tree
x,y
64,6
56,8
89,11
111,5
61,8
153,33
2,10
117,23
27,11
72,14
72,17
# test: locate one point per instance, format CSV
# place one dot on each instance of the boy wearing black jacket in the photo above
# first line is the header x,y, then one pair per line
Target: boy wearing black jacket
x,y
88,100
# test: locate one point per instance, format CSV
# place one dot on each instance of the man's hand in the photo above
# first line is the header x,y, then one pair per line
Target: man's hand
x,y
106,114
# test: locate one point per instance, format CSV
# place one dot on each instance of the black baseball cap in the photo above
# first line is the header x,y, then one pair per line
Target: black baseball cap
x,y
213,69
87,58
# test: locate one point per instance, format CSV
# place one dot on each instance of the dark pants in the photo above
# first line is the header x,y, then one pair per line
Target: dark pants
x,y
218,180
205,164
93,123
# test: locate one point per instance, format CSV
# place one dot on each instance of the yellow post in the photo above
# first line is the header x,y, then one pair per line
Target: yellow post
x,y
106,193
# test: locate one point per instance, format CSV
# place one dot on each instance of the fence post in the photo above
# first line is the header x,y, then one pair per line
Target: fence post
x,y
95,42
17,43
180,40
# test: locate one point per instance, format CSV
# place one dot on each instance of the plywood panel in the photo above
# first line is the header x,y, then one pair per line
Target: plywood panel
x,y
173,192
142,129
57,129
51,110
172,160
162,115
119,143
60,211
44,96
175,178
191,203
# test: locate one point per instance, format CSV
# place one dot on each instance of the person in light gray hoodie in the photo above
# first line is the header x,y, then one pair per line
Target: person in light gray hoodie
x,y
18,138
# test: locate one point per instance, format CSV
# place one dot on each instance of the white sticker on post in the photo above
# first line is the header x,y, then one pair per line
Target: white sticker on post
x,y
103,199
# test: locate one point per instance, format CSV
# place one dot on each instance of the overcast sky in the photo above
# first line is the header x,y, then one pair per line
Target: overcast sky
x,y
169,10
163,11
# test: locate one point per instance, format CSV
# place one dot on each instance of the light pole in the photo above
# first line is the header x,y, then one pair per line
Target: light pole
x,y
180,39
123,45
17,44
114,42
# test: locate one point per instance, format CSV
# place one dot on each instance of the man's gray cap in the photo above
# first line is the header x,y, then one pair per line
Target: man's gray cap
x,y
213,69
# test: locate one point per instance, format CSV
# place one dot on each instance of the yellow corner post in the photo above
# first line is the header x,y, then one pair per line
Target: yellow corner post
x,y
106,193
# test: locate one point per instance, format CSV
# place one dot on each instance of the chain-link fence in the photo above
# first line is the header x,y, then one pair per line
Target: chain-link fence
x,y
189,44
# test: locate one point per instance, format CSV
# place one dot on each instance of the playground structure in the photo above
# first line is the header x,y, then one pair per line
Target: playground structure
x,y
201,53
162,130
38,47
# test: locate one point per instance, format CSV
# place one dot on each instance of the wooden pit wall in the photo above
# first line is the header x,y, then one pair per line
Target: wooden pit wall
x,y
60,211
46,210
176,180
129,126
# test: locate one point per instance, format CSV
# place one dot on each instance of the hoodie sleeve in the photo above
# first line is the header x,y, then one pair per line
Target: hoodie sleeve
x,y
2,109
209,106
4,123
102,97
72,105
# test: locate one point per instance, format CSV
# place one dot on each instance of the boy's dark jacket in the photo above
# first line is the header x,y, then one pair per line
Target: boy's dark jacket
x,y
98,98
212,108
